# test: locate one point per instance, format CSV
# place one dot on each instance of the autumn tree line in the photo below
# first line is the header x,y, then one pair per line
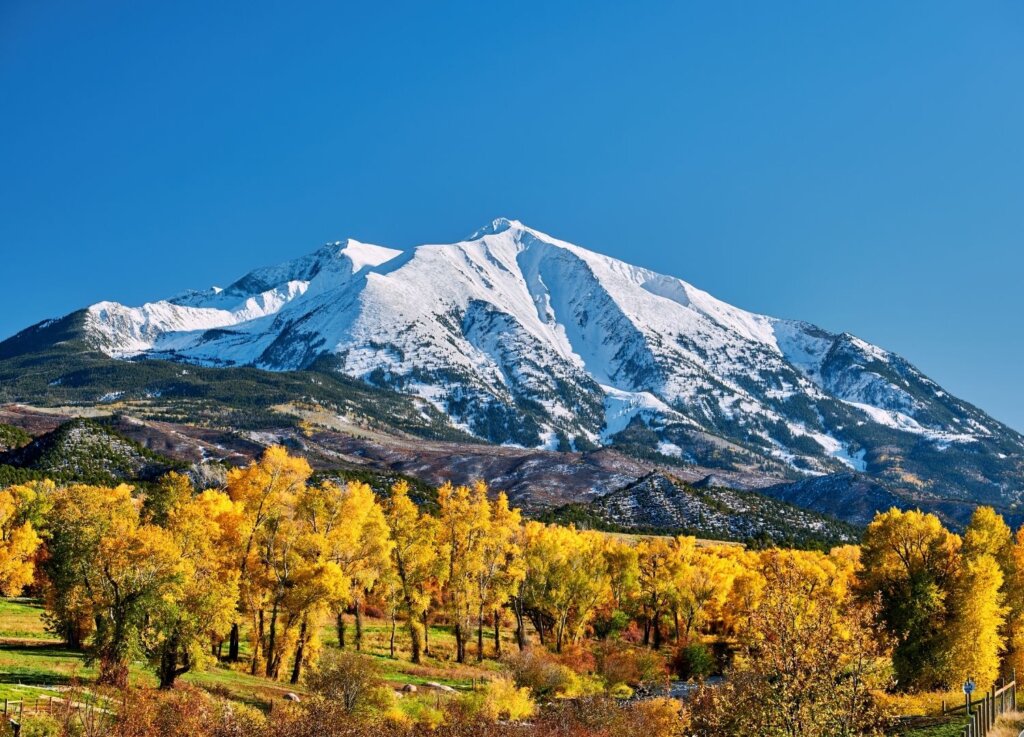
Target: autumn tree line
x,y
251,571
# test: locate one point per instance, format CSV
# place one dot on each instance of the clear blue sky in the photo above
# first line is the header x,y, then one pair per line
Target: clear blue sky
x,y
859,165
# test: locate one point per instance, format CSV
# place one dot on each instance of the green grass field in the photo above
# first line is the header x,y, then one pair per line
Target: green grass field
x,y
936,727
33,664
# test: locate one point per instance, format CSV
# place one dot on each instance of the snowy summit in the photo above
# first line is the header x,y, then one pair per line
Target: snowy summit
x,y
526,339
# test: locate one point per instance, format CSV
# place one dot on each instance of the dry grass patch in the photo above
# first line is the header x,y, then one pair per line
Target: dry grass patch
x,y
1009,724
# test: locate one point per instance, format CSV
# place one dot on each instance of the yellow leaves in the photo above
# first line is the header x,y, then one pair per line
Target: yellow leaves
x,y
501,699
566,576
263,485
354,532
908,542
18,541
988,534
974,641
134,561
416,553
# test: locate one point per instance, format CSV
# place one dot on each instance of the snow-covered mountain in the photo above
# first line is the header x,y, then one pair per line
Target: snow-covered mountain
x,y
526,339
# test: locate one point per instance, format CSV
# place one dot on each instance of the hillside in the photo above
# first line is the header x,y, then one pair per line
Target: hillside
x,y
661,504
86,451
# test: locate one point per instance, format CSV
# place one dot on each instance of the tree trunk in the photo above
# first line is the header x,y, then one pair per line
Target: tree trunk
x,y
359,625
339,623
497,633
168,660
517,608
74,636
460,644
257,646
169,670
675,621
271,654
415,635
233,644
426,634
657,630
480,634
300,647
647,631
394,624
113,672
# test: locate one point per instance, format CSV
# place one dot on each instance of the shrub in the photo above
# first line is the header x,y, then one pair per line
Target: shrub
x,y
40,726
604,716
620,691
500,699
536,670
576,658
610,624
183,711
416,712
351,679
617,663
694,660
662,717
547,677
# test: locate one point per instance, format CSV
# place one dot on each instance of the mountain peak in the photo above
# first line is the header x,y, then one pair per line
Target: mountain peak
x,y
522,338
498,225
359,254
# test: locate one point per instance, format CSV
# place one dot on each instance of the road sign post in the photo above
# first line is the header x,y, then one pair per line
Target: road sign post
x,y
968,690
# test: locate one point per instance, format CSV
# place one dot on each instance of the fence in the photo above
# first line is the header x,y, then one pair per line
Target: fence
x,y
15,711
984,712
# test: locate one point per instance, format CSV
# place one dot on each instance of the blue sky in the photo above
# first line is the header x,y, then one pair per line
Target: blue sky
x,y
859,165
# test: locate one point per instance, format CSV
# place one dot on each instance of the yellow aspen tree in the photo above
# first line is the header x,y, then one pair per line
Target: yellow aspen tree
x,y
745,595
977,603
500,569
298,580
909,561
702,584
358,541
621,560
1014,588
417,560
974,638
658,562
807,663
262,490
532,599
78,519
199,609
988,534
579,581
18,541
464,519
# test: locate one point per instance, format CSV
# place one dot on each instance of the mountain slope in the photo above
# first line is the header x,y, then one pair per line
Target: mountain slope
x,y
662,504
518,337
83,450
